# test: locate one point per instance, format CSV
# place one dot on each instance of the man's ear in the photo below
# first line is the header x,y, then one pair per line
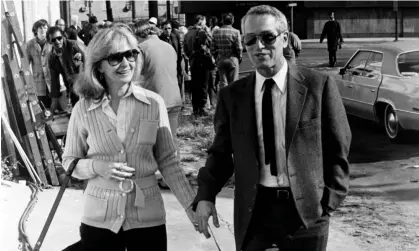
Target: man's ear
x,y
285,38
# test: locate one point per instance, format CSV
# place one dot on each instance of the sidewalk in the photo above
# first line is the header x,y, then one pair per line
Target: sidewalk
x,y
354,42
64,228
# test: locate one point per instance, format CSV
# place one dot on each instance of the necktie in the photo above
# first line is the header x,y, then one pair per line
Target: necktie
x,y
268,126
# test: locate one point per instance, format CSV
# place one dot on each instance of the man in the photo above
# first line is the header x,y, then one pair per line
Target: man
x,y
227,51
331,30
159,72
283,131
153,21
90,30
73,30
60,23
197,49
173,38
66,58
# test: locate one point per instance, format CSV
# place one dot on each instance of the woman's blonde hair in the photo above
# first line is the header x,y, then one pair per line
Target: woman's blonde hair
x,y
91,83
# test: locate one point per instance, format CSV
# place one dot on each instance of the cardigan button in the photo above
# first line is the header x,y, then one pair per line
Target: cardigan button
x,y
132,130
121,216
122,151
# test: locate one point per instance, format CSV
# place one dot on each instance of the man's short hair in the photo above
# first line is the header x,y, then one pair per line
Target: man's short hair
x,y
175,24
262,10
330,13
38,24
92,19
144,29
199,19
228,19
52,30
166,23
58,20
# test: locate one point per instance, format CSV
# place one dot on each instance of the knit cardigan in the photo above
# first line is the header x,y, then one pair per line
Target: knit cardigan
x,y
148,147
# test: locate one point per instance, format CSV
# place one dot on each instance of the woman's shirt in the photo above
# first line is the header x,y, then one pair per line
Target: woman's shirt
x,y
140,136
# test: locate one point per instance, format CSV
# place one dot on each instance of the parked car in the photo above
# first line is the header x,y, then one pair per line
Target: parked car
x,y
381,83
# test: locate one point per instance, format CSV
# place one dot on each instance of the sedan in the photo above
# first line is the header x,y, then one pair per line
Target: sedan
x,y
381,83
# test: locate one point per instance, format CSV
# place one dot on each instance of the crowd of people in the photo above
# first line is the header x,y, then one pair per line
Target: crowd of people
x,y
282,130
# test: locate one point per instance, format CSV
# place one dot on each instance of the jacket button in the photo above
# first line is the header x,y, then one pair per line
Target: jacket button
x,y
254,186
122,151
250,209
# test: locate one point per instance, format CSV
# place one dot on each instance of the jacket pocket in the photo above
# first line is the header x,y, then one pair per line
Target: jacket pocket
x,y
154,210
95,208
147,132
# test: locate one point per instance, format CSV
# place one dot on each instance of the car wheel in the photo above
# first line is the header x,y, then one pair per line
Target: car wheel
x,y
391,124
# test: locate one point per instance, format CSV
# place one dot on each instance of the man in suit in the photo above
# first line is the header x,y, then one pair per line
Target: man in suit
x,y
331,30
283,131
173,38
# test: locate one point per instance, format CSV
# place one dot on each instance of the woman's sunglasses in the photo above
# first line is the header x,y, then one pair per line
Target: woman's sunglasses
x,y
116,58
59,38
266,37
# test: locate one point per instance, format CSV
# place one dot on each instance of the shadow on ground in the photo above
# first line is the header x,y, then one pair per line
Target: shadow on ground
x,y
370,144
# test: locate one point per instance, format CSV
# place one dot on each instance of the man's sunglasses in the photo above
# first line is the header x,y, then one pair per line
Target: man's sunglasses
x,y
116,58
59,38
266,37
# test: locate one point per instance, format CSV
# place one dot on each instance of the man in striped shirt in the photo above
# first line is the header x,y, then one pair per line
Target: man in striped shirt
x,y
227,51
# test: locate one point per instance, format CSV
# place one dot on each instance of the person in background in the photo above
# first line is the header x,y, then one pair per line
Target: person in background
x,y
121,135
293,48
153,21
227,50
213,24
332,32
66,59
284,132
186,72
90,29
159,71
60,23
169,35
37,51
73,30
197,49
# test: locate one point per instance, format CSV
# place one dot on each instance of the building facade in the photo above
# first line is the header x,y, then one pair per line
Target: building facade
x,y
357,18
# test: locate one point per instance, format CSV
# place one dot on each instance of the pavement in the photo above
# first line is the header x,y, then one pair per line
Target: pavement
x,y
64,228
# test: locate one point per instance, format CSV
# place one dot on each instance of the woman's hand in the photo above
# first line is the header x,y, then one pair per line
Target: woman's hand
x,y
113,170
192,217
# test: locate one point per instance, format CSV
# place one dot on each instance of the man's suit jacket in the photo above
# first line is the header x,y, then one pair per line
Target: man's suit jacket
x,y
176,43
317,137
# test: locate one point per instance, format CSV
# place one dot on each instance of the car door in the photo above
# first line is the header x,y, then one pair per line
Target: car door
x,y
366,86
350,76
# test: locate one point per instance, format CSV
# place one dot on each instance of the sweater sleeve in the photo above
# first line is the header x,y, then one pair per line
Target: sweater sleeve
x,y
168,161
76,146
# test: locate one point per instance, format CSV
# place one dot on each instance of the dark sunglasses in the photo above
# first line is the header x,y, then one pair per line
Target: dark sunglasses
x,y
266,37
59,38
167,28
116,58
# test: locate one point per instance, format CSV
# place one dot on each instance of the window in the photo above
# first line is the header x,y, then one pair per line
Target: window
x,y
408,63
374,65
357,64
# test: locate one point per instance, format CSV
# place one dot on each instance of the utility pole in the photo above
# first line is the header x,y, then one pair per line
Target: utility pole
x,y
168,14
133,10
109,15
396,10
153,9
292,5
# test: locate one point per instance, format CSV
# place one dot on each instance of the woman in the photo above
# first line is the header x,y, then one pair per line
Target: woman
x,y
121,134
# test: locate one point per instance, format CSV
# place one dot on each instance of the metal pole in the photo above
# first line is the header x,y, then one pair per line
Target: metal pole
x,y
292,19
133,10
168,15
397,28
90,8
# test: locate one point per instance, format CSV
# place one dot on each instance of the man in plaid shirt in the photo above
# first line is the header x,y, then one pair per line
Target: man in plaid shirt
x,y
227,51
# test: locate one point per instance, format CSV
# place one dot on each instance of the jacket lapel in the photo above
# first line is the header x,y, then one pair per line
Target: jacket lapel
x,y
247,112
296,95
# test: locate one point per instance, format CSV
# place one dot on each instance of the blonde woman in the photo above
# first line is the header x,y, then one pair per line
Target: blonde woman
x,y
121,134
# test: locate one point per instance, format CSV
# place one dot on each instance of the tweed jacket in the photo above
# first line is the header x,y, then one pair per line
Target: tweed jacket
x,y
148,147
38,59
317,140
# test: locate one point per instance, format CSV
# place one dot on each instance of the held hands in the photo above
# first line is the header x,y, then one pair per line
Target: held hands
x,y
204,210
113,170
192,217
77,59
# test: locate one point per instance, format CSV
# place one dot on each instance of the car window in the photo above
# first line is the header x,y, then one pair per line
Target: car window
x,y
374,65
408,63
357,64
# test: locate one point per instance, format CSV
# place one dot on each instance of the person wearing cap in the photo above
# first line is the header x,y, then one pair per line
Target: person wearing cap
x,y
153,21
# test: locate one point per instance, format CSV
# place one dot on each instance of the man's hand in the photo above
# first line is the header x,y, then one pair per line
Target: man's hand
x,y
77,59
204,210
113,170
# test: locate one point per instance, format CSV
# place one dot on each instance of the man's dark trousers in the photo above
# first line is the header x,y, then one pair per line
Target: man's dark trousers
x,y
332,58
275,221
200,78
